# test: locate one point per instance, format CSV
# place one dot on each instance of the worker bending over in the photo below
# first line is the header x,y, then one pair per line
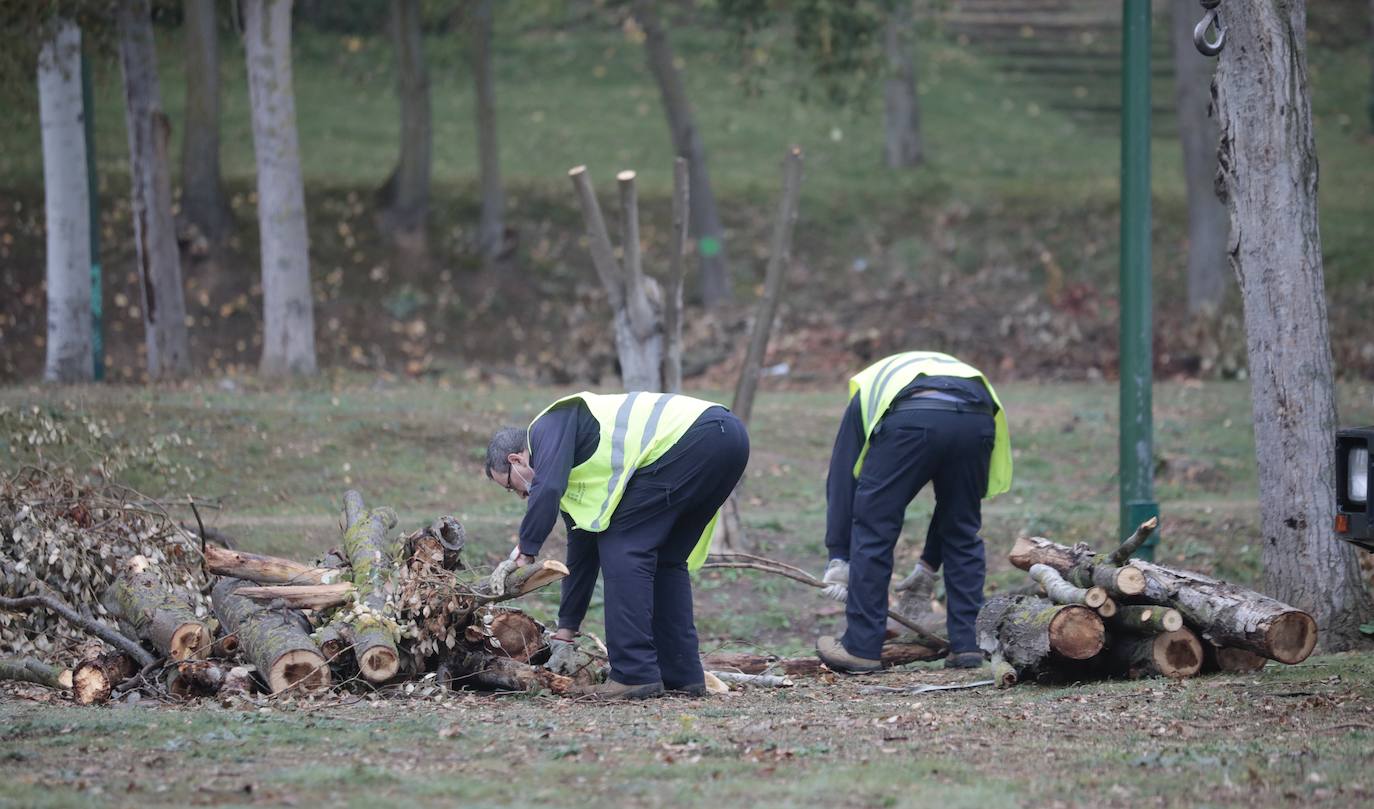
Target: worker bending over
x,y
639,478
912,419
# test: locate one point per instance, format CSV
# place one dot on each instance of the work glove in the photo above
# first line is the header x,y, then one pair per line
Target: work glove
x,y
836,580
921,579
497,583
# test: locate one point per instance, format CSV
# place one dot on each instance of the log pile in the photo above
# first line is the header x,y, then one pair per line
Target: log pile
x,y
1111,615
385,608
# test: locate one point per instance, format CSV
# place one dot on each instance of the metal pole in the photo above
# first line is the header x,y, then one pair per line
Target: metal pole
x,y
1137,431
93,193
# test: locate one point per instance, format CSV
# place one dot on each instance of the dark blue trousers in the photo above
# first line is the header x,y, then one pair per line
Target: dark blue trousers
x,y
650,632
908,450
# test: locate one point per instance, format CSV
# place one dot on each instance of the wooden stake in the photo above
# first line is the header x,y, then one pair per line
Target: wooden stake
x,y
672,295
642,318
598,239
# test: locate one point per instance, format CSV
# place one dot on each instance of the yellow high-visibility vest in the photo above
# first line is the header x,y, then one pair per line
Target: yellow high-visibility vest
x,y
878,385
636,429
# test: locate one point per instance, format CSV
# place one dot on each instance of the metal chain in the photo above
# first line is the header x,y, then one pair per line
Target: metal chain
x,y
1212,19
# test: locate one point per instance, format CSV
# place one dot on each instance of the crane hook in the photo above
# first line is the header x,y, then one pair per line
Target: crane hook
x,y
1212,19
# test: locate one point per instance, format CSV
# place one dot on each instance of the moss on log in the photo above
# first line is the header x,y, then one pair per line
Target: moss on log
x,y
158,614
29,670
1031,633
271,639
371,554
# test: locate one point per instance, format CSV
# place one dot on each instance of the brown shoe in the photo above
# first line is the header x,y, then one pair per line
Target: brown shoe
x,y
611,690
833,654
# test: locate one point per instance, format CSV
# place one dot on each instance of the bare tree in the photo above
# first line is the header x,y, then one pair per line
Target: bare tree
x,y
288,345
492,228
704,219
1269,177
902,113
150,175
404,197
66,206
1197,133
202,193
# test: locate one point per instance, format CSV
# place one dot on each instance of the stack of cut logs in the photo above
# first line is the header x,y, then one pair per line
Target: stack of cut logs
x,y
382,608
1107,615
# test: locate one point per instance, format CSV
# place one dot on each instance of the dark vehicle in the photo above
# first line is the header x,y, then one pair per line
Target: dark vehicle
x,y
1353,523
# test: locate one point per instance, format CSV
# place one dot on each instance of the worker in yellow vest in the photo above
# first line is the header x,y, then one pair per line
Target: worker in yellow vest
x,y
913,418
639,479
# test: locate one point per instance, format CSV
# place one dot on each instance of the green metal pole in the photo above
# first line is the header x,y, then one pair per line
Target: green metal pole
x,y
93,192
1137,430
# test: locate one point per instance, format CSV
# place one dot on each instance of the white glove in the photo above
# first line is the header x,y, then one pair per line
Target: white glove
x,y
497,583
836,579
918,574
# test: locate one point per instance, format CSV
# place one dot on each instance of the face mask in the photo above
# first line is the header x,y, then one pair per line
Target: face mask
x,y
528,483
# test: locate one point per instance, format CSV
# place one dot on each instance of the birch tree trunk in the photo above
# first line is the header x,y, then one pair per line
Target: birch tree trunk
x,y
704,219
155,244
902,114
202,194
405,195
1197,134
1269,178
66,206
491,230
288,345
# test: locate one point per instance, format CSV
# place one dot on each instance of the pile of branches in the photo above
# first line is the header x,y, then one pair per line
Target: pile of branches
x,y
382,608
1108,615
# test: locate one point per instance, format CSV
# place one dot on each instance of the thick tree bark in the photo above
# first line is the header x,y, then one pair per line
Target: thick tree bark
x,y
405,195
155,243
367,545
159,615
203,203
1208,279
1079,565
705,219
1029,632
1269,177
902,115
491,229
263,569
288,345
29,670
1167,654
66,206
272,640
636,318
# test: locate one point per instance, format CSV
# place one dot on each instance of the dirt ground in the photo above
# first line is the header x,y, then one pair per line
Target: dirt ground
x,y
1287,736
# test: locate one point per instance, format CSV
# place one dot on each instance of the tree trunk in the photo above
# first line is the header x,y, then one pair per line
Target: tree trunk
x,y
155,243
263,569
29,670
203,203
95,678
672,294
1029,631
1230,615
1079,565
367,545
1269,176
159,615
405,195
1167,654
272,640
1198,135
491,230
902,113
704,219
288,345
67,208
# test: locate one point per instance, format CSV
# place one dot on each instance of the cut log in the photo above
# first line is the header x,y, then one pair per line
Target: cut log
x,y
1228,615
1166,654
1061,592
1148,618
1108,609
95,678
478,670
335,640
370,552
225,647
1227,660
29,670
237,680
513,634
1003,673
301,596
262,569
195,678
158,614
1029,632
271,639
1078,565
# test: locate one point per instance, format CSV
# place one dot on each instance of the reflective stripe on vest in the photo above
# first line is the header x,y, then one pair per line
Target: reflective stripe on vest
x,y
878,386
636,430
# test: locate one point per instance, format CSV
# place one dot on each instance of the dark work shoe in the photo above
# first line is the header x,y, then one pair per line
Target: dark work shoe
x,y
833,654
613,690
964,660
692,690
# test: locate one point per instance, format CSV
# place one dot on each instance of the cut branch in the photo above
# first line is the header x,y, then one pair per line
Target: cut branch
x,y
1061,592
29,670
270,639
1078,565
1122,554
643,321
95,678
59,607
263,569
302,596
